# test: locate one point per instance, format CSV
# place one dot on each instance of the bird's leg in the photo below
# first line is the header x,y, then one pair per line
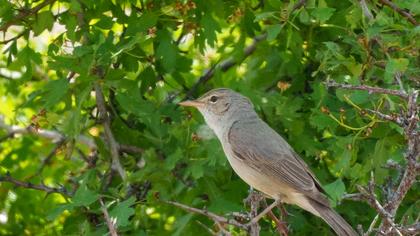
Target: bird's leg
x,y
264,212
280,225
283,211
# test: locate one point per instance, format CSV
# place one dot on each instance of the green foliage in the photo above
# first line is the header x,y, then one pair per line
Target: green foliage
x,y
146,55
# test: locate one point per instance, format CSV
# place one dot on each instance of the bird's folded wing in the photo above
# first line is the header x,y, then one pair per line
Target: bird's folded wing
x,y
269,153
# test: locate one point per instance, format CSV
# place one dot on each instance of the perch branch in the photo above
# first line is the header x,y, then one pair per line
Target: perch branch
x,y
216,218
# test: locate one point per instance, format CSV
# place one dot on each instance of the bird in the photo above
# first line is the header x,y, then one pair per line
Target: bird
x,y
262,158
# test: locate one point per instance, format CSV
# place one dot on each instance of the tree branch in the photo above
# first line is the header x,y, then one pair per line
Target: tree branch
x,y
400,11
109,222
216,218
23,13
13,38
330,83
109,136
40,187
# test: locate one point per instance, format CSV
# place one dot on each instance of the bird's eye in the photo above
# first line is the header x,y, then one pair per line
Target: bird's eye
x,y
213,99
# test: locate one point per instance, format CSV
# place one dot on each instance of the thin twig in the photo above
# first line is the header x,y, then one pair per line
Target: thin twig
x,y
400,11
109,222
330,83
41,187
109,136
211,215
396,119
13,38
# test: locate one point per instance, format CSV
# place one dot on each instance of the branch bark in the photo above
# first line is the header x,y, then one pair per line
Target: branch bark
x,y
109,136
41,187
109,222
330,83
400,11
216,218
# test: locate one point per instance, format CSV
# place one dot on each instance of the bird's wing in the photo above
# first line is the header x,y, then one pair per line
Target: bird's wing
x,y
260,147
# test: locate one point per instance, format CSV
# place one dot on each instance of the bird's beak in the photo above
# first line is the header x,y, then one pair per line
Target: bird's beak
x,y
191,103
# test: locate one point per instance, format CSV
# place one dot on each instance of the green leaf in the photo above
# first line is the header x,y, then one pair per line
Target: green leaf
x,y
44,20
393,66
335,190
84,196
166,51
209,28
141,25
123,211
105,22
55,212
55,90
273,31
323,14
265,15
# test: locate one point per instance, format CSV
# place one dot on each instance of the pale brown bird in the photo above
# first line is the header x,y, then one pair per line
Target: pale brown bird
x,y
262,158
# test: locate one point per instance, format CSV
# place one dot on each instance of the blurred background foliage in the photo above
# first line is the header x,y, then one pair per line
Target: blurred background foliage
x,y
145,56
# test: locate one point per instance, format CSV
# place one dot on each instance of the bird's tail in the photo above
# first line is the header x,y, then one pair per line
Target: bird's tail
x,y
336,222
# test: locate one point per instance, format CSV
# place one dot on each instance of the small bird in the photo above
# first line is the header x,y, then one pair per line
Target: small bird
x,y
262,158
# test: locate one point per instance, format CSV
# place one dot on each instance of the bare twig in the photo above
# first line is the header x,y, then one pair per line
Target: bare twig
x,y
23,13
400,11
216,218
370,197
396,119
109,221
13,38
41,187
330,83
109,136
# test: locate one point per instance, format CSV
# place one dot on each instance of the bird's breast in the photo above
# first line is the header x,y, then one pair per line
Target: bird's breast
x,y
256,178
